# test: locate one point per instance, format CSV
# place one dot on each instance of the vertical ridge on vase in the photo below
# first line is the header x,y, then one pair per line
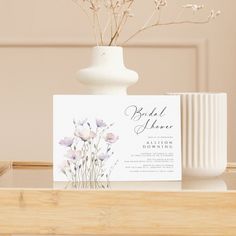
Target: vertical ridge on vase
x,y
221,131
190,137
223,128
195,131
213,131
208,128
219,120
184,131
211,124
225,131
217,127
201,130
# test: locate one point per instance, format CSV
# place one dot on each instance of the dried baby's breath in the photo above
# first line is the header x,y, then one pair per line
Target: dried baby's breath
x,y
118,12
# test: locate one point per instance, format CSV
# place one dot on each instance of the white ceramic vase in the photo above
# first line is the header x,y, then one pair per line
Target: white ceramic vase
x,y
204,134
107,73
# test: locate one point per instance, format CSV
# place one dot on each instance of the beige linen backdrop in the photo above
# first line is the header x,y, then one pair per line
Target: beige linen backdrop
x,y
44,42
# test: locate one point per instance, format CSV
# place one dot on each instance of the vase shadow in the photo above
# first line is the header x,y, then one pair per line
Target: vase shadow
x,y
207,184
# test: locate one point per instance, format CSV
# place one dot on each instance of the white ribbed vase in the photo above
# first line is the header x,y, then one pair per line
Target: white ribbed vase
x,y
204,134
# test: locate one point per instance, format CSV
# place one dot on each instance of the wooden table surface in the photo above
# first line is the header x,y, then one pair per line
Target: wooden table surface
x,y
31,203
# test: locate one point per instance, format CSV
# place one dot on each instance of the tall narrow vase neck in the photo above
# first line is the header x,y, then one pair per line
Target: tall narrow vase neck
x,y
107,56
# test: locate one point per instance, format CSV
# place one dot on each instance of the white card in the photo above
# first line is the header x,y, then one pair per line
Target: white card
x,y
116,138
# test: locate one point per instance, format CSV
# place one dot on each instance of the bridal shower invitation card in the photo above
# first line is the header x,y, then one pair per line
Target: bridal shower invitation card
x,y
116,138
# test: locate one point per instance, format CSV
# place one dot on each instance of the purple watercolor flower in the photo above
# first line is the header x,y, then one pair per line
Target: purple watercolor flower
x,y
66,142
100,123
73,154
103,156
111,138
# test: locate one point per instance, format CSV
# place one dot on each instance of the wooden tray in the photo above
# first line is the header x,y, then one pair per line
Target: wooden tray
x,y
30,203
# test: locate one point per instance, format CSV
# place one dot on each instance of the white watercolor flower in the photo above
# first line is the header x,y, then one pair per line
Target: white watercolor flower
x,y
111,138
63,167
80,122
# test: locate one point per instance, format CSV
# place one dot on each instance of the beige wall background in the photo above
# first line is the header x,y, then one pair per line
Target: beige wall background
x,y
44,42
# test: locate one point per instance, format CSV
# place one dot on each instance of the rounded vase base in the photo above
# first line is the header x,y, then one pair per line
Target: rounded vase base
x,y
203,172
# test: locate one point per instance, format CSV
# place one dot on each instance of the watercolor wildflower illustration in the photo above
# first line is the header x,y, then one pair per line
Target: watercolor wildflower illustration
x,y
88,150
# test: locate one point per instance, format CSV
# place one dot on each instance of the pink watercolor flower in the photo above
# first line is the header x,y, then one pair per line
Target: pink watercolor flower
x,y
73,154
111,138
85,134
92,134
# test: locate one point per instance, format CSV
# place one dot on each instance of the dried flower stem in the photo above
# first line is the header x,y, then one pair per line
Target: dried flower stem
x,y
117,33
115,15
164,24
121,23
95,8
150,18
122,18
99,28
107,25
